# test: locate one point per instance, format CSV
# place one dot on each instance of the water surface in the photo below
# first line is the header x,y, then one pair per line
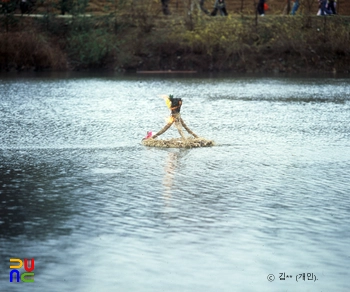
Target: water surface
x,y
100,212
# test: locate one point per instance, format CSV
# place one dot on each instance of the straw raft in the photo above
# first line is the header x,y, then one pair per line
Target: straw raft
x,y
178,143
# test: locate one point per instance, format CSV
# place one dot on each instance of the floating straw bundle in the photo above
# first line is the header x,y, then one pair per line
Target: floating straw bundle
x,y
178,143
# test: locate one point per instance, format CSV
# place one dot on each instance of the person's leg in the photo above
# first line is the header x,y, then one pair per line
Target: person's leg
x,y
24,7
330,7
165,7
295,8
258,8
213,13
261,7
322,8
21,6
63,6
326,9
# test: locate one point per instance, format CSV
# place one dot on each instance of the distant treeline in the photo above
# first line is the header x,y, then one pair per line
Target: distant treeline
x,y
141,37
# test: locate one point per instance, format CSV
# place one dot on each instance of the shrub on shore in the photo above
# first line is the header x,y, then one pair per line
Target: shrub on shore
x,y
30,50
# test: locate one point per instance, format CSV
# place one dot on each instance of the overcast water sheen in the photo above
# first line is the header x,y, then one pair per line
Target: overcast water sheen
x,y
98,211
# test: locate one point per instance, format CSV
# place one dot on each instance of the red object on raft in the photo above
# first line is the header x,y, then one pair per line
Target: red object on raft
x,y
149,135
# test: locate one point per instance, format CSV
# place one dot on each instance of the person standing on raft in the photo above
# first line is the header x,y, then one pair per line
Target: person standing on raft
x,y
174,104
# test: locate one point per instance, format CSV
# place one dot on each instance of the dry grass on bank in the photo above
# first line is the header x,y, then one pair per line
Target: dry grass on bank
x,y
31,50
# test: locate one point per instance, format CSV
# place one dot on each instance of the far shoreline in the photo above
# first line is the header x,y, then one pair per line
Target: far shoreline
x,y
243,44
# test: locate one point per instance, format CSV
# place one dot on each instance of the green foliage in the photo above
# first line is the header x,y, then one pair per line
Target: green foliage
x,y
7,19
216,36
8,6
90,48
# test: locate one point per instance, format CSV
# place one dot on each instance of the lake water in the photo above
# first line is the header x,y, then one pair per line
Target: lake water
x,y
98,211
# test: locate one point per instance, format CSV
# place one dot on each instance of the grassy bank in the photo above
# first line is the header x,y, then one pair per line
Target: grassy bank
x,y
145,41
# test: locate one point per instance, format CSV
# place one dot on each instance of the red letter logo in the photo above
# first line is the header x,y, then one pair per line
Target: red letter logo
x,y
31,265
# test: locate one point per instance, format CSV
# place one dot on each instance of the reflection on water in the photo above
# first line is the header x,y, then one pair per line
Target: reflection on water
x,y
169,171
98,211
171,165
